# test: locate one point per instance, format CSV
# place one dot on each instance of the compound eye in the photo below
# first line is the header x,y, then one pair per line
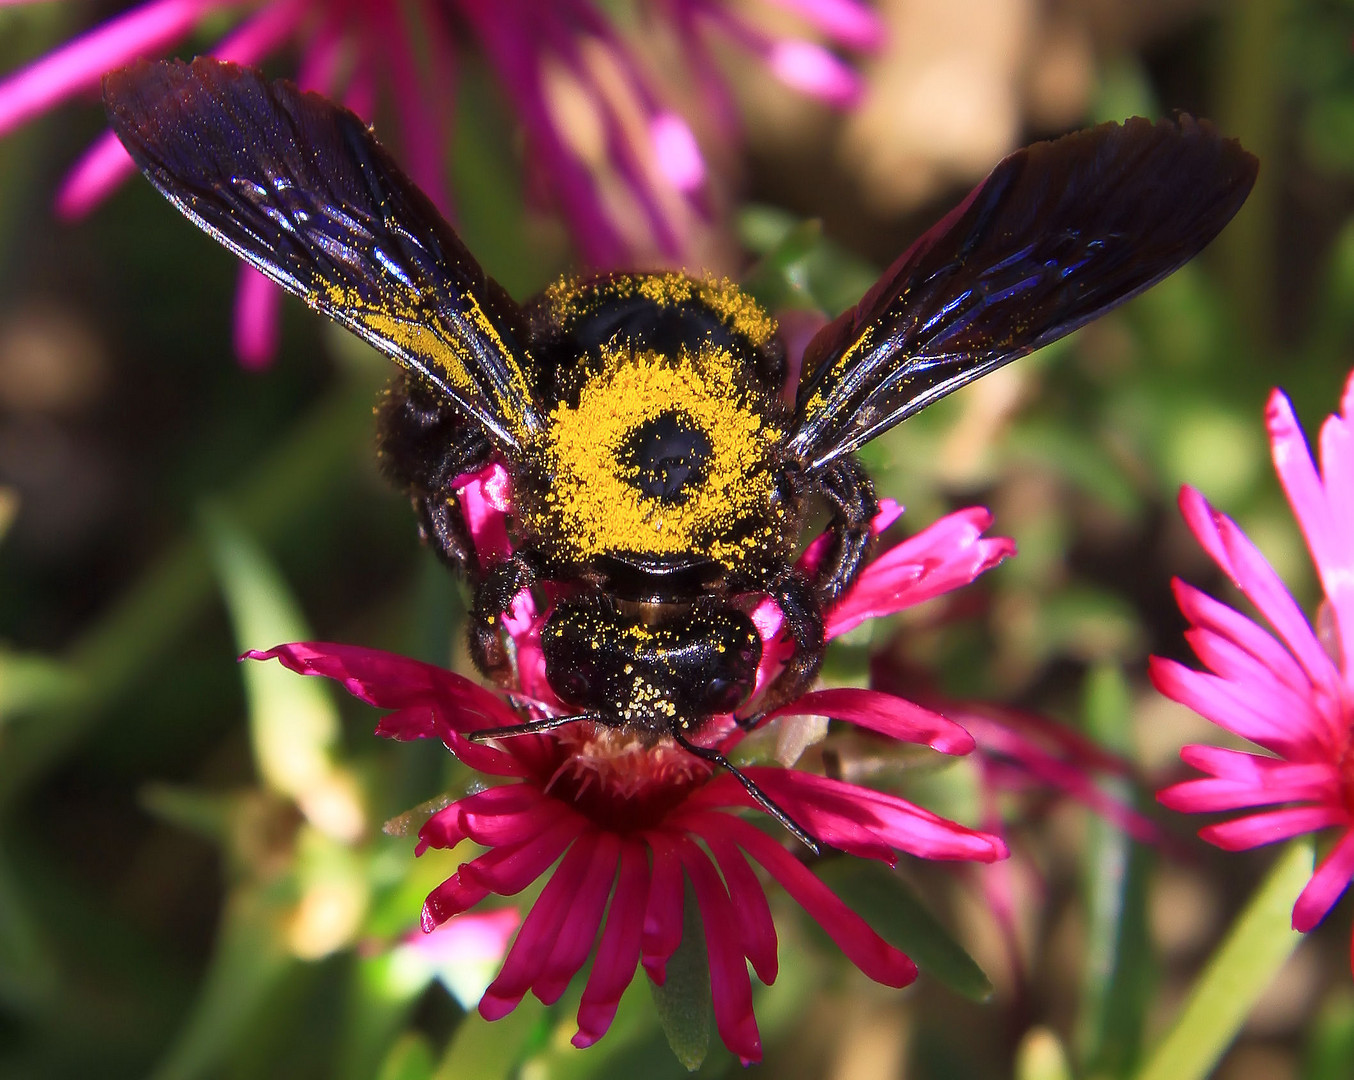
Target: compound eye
x,y
724,695
573,686
666,457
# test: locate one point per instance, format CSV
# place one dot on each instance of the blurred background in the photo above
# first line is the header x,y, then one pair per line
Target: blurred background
x,y
194,880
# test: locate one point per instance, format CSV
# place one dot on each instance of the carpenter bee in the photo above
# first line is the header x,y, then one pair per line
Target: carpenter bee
x,y
659,477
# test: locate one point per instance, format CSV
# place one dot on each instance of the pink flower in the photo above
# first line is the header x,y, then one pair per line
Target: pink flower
x,y
355,50
624,823
1289,691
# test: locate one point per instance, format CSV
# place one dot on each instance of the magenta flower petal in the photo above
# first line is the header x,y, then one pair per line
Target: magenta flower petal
x,y
863,821
676,152
663,914
1229,708
730,987
257,317
866,949
79,65
937,560
1327,885
1269,828
1261,586
811,68
100,169
751,911
1205,612
885,713
1061,760
1321,503
448,900
509,869
530,952
1288,695
578,933
618,953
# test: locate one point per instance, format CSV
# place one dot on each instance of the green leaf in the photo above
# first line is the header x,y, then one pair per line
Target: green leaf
x,y
889,905
29,976
411,1058
248,964
1257,946
293,722
206,813
1330,1040
29,681
683,1001
491,1050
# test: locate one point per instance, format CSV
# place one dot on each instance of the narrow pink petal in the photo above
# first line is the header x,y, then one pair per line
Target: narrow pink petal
x,y
618,953
510,869
442,831
527,958
1335,559
254,38
1072,776
676,152
1204,611
1268,828
1307,784
797,329
482,936
100,169
507,814
1327,884
863,947
1322,504
578,934
812,69
1242,765
520,812
751,910
833,809
838,821
449,899
1255,684
887,714
429,702
946,555
730,987
424,140
80,63
258,313
1213,699
1238,557
663,912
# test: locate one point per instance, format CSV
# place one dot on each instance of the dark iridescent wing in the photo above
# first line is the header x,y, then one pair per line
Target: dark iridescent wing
x,y
299,187
1057,234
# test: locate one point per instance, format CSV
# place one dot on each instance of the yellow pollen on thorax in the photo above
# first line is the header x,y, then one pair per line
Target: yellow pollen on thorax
x,y
595,503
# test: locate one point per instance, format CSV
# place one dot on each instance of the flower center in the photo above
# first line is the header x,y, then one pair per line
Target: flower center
x,y
623,781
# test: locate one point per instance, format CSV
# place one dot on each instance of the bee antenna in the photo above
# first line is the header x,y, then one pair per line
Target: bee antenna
x,y
530,727
751,787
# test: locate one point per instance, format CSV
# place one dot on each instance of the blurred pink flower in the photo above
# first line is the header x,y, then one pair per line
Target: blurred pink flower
x,y
1292,695
617,814
355,49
